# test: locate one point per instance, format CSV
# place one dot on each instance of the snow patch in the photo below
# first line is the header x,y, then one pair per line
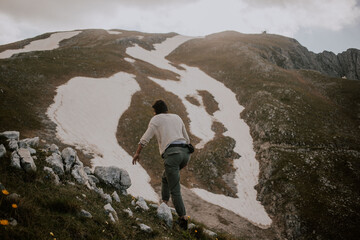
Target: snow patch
x,y
130,60
113,32
87,111
191,80
49,43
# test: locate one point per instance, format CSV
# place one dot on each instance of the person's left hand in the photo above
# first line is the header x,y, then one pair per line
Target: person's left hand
x,y
136,158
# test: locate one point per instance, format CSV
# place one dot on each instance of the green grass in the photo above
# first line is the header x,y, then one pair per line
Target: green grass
x,y
45,208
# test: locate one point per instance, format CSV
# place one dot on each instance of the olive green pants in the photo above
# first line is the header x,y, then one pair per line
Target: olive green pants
x,y
175,159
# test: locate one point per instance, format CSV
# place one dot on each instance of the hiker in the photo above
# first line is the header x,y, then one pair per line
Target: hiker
x,y
175,148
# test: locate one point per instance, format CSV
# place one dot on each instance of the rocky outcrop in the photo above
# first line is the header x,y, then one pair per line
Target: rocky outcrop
x,y
295,56
113,176
26,161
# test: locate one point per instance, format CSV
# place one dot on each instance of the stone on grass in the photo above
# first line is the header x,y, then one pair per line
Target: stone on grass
x,y
93,180
26,161
145,228
103,195
85,214
109,209
70,158
142,204
10,135
115,196
79,174
113,176
29,142
13,144
13,222
129,212
87,170
13,197
111,216
53,175
54,149
191,226
15,160
164,213
2,150
209,233
56,163
154,205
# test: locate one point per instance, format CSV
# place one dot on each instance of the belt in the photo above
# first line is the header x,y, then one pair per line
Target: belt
x,y
183,145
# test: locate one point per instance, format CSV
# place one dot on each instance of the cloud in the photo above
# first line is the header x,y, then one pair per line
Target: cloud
x,y
21,18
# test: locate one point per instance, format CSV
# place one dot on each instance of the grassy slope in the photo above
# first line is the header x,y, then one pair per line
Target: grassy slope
x,y
305,130
44,207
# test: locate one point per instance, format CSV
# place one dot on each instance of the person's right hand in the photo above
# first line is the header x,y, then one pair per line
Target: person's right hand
x,y
136,158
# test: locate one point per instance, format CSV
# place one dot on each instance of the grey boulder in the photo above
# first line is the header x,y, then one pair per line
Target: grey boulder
x,y
2,150
10,135
30,142
15,160
56,163
13,144
70,158
164,213
80,175
113,176
26,161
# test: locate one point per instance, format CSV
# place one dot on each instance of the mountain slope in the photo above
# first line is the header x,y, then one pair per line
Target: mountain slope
x,y
305,128
304,124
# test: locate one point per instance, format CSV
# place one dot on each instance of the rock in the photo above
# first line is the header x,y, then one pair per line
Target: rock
x,y
56,163
173,210
53,174
142,204
13,197
30,142
70,158
103,195
113,176
54,149
129,212
115,196
154,205
164,213
26,161
79,174
92,179
15,160
111,216
2,150
209,233
85,214
109,209
13,144
87,170
13,222
10,135
191,226
31,150
145,228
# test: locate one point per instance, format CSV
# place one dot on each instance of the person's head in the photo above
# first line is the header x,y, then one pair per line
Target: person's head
x,y
160,107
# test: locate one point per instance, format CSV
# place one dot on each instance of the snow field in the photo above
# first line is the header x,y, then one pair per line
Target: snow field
x,y
86,112
192,80
49,43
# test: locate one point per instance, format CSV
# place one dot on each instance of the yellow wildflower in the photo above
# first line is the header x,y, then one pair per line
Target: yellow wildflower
x,y
195,230
4,222
188,217
14,205
52,234
5,192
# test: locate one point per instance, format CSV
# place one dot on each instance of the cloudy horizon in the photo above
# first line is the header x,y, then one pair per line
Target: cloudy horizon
x,y
319,25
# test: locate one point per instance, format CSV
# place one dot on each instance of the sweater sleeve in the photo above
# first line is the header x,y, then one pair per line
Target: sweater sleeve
x,y
145,139
186,136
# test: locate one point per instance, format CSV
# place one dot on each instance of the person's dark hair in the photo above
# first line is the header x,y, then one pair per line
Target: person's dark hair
x,y
160,107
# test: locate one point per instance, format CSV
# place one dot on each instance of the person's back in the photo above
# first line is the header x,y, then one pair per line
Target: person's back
x,y
174,142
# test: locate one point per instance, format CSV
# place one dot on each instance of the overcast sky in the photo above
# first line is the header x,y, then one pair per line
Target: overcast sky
x,y
319,25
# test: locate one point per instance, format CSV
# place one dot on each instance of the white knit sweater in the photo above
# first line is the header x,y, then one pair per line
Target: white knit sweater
x,y
167,128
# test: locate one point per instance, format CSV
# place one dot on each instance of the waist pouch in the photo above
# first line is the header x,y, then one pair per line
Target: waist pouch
x,y
183,145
